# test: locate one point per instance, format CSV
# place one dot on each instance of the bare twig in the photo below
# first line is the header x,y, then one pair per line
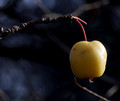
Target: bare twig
x,y
9,31
91,92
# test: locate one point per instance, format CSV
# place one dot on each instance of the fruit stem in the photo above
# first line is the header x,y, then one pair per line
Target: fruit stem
x,y
79,22
91,80
82,29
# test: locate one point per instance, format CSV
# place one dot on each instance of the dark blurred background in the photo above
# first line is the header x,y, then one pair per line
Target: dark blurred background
x,y
34,63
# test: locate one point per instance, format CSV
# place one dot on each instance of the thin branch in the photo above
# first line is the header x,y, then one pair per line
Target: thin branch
x,y
9,31
91,92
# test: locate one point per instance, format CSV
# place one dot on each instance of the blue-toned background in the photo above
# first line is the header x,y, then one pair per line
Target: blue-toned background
x,y
34,63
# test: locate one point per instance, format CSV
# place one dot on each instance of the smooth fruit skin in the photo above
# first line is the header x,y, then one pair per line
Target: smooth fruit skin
x,y
88,59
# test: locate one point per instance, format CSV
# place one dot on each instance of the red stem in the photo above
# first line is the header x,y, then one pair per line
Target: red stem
x,y
80,20
82,29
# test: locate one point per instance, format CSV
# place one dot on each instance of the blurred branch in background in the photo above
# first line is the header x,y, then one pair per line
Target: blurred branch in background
x,y
4,4
112,91
42,7
7,4
3,96
77,12
90,6
47,12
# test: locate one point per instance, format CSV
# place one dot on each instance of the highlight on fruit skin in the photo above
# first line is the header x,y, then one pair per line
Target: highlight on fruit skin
x,y
88,59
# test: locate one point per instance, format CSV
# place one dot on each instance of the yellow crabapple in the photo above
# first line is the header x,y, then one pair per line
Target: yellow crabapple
x,y
88,59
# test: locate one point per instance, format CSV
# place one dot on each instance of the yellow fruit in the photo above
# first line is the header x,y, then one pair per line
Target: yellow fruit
x,y
88,59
